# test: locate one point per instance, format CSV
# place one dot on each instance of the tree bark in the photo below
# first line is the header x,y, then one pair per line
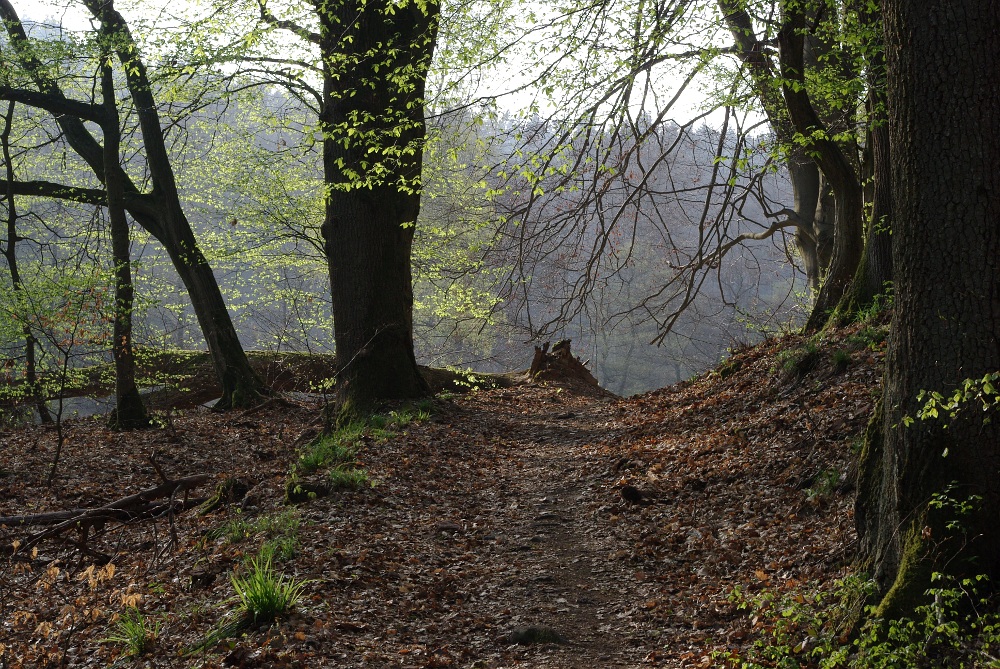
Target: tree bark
x,y
943,64
129,412
375,61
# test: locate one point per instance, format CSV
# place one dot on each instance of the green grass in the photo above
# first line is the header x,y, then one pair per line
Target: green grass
x,y
841,360
333,449
263,594
824,485
348,479
872,337
337,450
798,361
881,304
280,532
134,631
384,426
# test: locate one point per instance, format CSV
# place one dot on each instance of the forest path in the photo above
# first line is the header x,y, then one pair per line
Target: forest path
x,y
501,512
564,564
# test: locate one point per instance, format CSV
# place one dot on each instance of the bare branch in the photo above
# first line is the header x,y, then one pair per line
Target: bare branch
x,y
55,104
267,17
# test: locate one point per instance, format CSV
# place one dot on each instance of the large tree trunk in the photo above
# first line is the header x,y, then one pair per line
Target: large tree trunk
x,y
944,101
129,412
375,58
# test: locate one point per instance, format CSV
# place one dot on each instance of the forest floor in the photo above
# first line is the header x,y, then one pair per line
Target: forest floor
x,y
501,521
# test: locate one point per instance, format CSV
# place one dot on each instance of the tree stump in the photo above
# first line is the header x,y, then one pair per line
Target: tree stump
x,y
559,364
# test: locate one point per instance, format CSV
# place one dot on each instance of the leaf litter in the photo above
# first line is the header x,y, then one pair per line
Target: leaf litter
x,y
540,525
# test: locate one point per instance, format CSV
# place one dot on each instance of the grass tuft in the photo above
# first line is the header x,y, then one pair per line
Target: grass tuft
x,y
134,631
333,449
280,532
342,478
265,595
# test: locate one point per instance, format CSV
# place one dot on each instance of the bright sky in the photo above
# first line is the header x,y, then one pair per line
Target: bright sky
x,y
72,15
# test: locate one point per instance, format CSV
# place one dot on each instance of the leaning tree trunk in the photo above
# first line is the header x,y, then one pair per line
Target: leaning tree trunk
x,y
946,260
160,212
241,386
848,239
129,412
375,58
813,235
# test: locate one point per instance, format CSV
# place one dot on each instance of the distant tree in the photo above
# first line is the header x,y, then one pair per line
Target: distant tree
x,y
159,211
872,282
943,75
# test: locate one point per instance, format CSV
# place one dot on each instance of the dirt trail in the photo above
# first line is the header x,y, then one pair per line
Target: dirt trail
x,y
500,513
561,559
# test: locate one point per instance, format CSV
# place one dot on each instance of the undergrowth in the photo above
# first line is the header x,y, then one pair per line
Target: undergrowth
x,y
958,626
262,597
808,628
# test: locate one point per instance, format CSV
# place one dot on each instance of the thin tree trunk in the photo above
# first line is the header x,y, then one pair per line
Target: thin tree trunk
x,y
848,240
871,282
159,212
10,254
241,386
812,235
129,412
946,262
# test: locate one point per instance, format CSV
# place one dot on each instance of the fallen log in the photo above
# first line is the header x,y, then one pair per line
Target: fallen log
x,y
142,505
119,509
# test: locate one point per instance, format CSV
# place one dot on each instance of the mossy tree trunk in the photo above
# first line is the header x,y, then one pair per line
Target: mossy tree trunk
x,y
375,61
943,64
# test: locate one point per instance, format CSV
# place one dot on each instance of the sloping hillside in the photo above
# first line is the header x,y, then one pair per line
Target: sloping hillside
x,y
535,525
